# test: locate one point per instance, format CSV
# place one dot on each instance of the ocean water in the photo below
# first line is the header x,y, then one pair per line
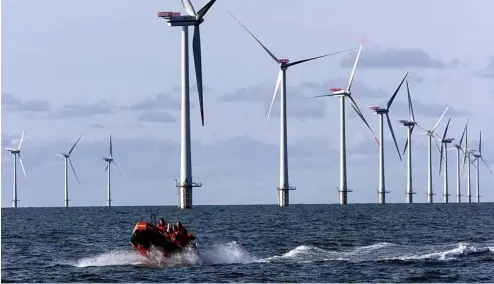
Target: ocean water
x,y
258,243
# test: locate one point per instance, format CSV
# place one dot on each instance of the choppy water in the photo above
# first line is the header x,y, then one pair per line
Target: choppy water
x,y
301,243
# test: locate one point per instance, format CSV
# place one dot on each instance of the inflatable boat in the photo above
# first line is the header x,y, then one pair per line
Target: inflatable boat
x,y
148,235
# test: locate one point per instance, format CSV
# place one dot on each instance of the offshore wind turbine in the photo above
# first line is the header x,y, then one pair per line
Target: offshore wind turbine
x,y
444,145
479,157
431,135
346,93
458,149
66,157
465,157
109,162
284,185
410,125
385,111
16,152
174,19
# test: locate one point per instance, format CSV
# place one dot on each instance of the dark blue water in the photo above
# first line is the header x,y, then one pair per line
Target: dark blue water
x,y
301,243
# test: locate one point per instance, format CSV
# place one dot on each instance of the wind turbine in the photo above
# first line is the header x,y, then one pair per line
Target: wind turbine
x,y
342,93
66,157
110,161
431,135
174,19
458,149
479,157
410,125
444,145
284,186
465,157
16,152
381,111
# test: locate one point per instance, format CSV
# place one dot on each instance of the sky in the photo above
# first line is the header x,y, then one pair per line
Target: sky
x,y
101,67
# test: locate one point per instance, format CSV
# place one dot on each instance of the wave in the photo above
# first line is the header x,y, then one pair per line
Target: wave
x,y
234,253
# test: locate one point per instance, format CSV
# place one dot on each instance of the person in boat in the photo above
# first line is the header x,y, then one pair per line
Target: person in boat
x,y
162,225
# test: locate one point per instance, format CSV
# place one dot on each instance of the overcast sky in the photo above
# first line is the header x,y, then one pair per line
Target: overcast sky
x,y
101,67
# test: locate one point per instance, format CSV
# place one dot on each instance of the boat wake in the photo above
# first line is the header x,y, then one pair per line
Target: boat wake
x,y
232,252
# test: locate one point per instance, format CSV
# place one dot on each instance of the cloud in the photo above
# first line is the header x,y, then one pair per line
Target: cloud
x,y
160,101
192,89
488,71
396,58
297,107
97,125
84,110
157,116
13,104
426,109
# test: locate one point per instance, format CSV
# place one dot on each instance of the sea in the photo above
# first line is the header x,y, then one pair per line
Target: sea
x,y
255,243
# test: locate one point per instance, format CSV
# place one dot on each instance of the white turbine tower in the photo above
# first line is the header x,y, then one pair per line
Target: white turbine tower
x,y
174,19
444,145
66,157
284,186
479,157
109,162
410,125
465,157
431,136
16,152
458,149
346,93
385,111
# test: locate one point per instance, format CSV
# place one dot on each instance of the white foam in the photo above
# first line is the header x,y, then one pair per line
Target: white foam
x,y
117,257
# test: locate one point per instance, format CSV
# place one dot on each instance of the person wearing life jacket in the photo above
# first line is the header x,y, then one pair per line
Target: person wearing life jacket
x,y
162,225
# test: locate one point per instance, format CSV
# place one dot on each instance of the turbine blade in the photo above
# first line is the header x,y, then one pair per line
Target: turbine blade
x,y
22,164
393,134
463,134
106,168
278,81
435,142
317,57
440,118
355,66
70,161
188,7
480,143
396,92
196,46
20,142
111,151
357,110
485,164
72,149
319,96
446,130
265,48
405,148
115,165
204,10
441,159
410,106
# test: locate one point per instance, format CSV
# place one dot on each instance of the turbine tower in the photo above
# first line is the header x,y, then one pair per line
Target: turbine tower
x,y
284,186
410,125
458,149
174,19
16,152
444,145
346,93
465,157
109,162
478,157
431,135
385,111
66,157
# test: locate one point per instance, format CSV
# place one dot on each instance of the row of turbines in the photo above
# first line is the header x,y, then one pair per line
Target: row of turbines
x,y
67,161
185,183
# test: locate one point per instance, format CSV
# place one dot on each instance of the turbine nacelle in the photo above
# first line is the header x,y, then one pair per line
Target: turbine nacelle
x,y
108,159
407,123
448,140
13,151
283,61
378,110
339,92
